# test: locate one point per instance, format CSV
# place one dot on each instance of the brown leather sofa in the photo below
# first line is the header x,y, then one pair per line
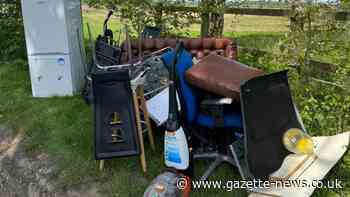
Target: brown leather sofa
x,y
199,47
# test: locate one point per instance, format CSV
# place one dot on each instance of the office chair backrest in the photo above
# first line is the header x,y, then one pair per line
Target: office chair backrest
x,y
187,95
268,112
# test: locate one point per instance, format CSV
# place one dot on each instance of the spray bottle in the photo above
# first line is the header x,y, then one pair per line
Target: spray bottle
x,y
176,151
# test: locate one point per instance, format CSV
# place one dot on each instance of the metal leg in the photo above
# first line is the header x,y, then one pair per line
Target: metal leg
x,y
205,155
236,160
219,159
224,158
211,168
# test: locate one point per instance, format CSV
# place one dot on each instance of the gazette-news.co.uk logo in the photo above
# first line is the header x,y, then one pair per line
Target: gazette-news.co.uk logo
x,y
183,183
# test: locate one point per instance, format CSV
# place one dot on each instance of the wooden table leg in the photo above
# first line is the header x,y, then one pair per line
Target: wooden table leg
x,y
139,129
141,94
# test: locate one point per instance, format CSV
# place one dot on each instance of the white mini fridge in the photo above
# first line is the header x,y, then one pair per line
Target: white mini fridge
x,y
54,37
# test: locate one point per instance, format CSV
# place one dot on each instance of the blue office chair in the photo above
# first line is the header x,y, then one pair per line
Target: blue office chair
x,y
204,128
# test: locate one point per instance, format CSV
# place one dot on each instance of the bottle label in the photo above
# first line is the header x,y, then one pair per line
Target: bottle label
x,y
172,151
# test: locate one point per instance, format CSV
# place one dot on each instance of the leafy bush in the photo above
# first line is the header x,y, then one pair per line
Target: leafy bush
x,y
11,32
321,90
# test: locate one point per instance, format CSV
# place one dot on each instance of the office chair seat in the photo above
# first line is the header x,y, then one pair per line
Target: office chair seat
x,y
229,120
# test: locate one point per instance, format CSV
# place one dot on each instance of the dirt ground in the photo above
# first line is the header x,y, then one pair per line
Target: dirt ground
x,y
22,175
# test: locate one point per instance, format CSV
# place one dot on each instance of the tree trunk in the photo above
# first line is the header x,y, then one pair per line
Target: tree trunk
x,y
159,19
205,24
205,17
216,25
212,18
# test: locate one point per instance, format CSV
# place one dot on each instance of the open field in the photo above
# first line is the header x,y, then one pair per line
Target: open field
x,y
63,127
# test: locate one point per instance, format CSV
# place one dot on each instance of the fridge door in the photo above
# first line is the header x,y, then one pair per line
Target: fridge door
x,y
45,26
50,75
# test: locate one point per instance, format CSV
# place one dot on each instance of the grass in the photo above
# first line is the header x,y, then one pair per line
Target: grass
x,y
246,23
62,126
96,18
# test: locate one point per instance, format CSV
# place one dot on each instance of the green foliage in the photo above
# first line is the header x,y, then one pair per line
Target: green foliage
x,y
321,91
11,32
345,3
92,2
140,13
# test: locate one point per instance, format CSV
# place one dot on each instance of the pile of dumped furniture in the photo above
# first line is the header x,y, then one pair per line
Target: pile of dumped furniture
x,y
212,106
206,104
